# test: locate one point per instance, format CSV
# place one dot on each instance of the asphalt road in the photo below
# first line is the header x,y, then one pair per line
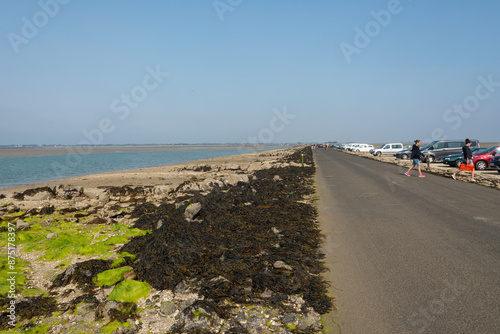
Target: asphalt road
x,y
408,254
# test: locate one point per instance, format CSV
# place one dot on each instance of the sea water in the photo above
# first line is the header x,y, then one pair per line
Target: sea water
x,y
31,169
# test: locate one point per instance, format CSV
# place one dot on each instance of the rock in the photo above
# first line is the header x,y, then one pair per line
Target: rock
x,y
254,166
39,196
277,178
309,322
112,257
72,220
114,214
97,220
104,197
22,225
52,236
163,189
168,307
32,212
68,192
36,194
233,167
184,287
209,183
192,210
266,294
159,224
289,319
191,186
80,206
233,179
103,310
11,209
47,210
94,192
129,275
281,264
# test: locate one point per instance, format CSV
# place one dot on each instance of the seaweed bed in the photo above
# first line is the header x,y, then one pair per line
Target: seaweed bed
x,y
253,243
232,249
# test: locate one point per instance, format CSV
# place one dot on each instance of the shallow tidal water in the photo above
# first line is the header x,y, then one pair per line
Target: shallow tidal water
x,y
31,169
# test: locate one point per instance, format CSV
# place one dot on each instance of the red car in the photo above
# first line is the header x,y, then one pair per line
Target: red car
x,y
482,161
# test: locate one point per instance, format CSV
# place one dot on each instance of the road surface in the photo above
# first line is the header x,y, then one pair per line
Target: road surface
x,y
408,254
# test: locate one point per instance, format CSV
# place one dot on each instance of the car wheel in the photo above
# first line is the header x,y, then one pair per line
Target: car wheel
x,y
458,162
404,156
481,165
379,154
431,159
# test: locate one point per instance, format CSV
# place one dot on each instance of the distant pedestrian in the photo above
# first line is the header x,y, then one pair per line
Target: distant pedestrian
x,y
466,160
415,156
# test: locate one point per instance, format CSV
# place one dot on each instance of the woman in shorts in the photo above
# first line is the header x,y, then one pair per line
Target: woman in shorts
x,y
415,156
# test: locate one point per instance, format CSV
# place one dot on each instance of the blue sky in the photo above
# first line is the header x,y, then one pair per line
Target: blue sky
x,y
248,71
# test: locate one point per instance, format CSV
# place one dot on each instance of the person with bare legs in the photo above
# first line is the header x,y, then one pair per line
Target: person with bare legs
x,y
415,156
466,160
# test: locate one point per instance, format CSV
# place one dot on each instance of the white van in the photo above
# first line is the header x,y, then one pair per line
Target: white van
x,y
390,148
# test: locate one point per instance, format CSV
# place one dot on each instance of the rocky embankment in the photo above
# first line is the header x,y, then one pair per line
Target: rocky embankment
x,y
230,248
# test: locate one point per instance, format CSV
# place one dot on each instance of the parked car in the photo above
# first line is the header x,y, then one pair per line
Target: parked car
x,y
390,148
363,148
495,162
404,154
353,147
441,148
481,161
455,160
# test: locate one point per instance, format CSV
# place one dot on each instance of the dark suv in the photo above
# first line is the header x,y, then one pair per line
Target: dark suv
x,y
441,148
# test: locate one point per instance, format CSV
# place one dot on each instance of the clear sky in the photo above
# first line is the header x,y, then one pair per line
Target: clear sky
x,y
116,72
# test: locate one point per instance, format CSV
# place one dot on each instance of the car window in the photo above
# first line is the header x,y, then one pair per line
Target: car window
x,y
397,146
497,152
455,144
439,145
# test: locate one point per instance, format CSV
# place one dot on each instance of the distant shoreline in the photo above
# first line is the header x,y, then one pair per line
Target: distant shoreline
x,y
57,150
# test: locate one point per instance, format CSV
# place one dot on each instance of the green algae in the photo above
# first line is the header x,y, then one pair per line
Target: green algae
x,y
112,276
112,326
74,239
33,292
39,329
118,262
129,291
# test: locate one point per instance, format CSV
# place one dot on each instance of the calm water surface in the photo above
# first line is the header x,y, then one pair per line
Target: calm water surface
x,y
26,170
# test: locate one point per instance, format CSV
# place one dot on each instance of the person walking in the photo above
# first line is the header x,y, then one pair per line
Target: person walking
x,y
415,156
466,160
